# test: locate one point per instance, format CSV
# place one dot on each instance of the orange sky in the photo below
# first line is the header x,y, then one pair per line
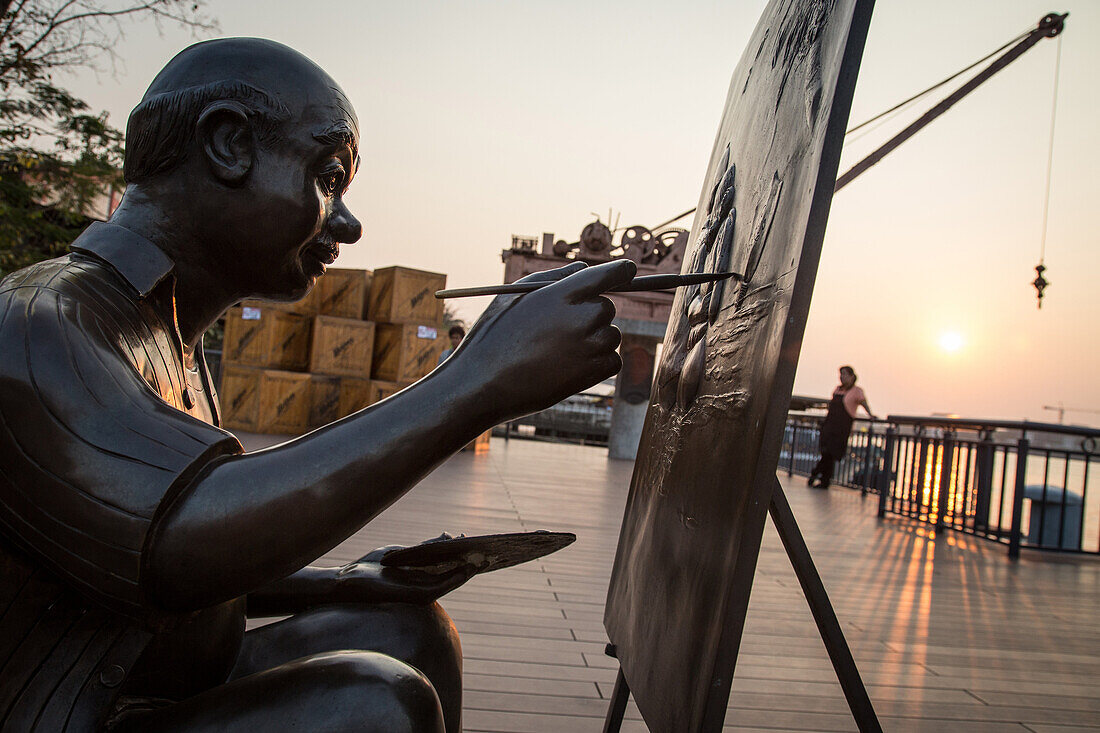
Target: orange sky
x,y
487,119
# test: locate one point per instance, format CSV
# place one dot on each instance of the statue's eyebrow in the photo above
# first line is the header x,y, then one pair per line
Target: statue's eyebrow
x,y
338,134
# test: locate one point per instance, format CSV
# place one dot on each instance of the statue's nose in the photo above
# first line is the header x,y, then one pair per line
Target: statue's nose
x,y
345,228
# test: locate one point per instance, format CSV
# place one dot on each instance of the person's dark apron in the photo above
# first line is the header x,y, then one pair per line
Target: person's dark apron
x,y
836,427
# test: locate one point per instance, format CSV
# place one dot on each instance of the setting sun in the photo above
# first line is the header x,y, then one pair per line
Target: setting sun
x,y
951,341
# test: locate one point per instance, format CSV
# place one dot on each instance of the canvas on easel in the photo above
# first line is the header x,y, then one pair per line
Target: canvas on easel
x,y
705,471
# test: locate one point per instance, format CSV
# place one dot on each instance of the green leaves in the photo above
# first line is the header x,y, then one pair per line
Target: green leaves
x,y
60,162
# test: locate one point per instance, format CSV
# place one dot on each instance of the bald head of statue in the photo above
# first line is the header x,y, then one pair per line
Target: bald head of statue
x,y
270,83
239,155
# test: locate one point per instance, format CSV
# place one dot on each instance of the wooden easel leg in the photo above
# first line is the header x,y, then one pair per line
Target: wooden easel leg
x,y
822,609
621,694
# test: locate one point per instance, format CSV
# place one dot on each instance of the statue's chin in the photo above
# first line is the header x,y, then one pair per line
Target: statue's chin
x,y
289,294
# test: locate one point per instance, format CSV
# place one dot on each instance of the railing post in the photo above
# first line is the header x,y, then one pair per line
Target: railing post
x,y
918,485
947,463
1022,447
867,459
884,491
983,491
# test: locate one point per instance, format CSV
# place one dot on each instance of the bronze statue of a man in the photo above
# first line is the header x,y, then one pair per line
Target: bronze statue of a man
x,y
135,535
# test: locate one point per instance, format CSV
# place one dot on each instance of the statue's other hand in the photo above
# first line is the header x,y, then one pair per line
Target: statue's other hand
x,y
539,348
367,581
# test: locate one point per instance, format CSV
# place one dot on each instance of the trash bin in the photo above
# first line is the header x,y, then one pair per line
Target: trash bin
x,y
1046,513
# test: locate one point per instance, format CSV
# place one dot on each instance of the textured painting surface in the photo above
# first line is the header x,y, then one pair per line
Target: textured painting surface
x,y
706,465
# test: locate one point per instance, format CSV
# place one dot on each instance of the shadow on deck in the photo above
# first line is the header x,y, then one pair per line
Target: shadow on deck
x,y
948,633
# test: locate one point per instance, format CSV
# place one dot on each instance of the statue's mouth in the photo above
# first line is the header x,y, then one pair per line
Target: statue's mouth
x,y
324,252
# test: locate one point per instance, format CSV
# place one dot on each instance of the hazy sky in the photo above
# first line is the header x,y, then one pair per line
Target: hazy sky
x,y
486,119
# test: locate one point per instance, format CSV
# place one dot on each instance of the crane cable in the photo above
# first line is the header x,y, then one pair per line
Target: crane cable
x,y
1050,150
939,84
1040,283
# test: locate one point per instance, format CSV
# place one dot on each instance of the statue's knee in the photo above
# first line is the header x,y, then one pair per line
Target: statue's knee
x,y
374,692
429,642
439,630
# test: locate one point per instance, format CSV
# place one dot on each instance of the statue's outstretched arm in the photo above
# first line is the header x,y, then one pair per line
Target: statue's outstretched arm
x,y
246,521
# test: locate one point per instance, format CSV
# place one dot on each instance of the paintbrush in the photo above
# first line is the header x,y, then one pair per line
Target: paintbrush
x,y
638,284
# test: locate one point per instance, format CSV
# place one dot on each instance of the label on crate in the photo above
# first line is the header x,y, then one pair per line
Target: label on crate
x,y
250,314
426,332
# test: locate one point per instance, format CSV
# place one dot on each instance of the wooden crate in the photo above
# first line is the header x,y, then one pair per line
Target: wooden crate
x,y
284,402
342,347
405,352
355,394
332,398
264,400
307,306
343,293
324,400
240,397
266,337
404,295
381,389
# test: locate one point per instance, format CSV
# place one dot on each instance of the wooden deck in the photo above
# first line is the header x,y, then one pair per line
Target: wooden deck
x,y
947,632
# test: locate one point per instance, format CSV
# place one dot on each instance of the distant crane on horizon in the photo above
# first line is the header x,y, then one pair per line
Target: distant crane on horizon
x,y
1062,410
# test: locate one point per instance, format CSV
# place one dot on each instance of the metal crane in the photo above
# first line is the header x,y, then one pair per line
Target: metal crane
x,y
1062,410
1050,26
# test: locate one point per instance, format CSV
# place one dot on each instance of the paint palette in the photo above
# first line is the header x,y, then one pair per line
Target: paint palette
x,y
485,552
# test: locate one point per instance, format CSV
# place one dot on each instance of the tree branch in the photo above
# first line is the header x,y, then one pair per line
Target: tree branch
x,y
91,38
12,19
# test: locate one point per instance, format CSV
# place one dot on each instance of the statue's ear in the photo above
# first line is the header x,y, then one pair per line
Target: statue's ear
x,y
225,133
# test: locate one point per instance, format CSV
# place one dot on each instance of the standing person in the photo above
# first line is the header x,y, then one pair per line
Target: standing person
x,y
847,399
457,333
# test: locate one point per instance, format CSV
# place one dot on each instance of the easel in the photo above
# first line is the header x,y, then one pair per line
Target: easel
x,y
821,608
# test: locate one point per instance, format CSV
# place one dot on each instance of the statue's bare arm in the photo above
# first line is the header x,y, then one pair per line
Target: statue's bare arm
x,y
251,520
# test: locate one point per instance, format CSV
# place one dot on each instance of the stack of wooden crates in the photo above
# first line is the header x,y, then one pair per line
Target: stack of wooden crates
x,y
357,338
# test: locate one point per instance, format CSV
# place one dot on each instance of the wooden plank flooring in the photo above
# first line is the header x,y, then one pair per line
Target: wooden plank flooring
x,y
947,632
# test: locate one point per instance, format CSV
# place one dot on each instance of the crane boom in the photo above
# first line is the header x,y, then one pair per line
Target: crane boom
x,y
1062,410
1051,25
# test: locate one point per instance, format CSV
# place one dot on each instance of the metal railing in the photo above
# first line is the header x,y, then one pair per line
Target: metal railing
x,y
861,464
583,418
1023,484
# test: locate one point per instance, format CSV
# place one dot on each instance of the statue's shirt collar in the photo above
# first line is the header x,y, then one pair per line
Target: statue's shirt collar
x,y
140,262
144,266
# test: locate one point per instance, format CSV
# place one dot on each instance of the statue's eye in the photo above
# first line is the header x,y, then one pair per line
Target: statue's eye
x,y
331,180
